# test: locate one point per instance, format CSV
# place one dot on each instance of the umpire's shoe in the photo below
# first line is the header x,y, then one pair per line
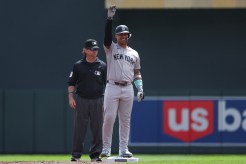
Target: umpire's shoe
x,y
73,159
97,159
125,154
105,153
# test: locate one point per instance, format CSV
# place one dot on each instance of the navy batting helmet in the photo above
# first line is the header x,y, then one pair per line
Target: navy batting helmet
x,y
122,29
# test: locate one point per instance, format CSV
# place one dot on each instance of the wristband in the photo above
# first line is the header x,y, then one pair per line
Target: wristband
x,y
139,84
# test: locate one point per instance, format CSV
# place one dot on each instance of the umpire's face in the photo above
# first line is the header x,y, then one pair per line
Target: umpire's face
x,y
122,39
91,54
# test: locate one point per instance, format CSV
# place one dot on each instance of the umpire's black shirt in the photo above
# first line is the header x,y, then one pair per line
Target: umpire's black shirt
x,y
89,78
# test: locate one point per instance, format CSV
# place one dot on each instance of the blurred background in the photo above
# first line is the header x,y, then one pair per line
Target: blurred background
x,y
187,48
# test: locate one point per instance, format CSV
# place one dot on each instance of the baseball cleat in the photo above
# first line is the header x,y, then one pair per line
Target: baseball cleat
x,y
125,154
105,153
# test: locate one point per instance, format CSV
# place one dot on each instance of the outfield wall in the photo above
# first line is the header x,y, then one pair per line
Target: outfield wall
x,y
184,52
35,121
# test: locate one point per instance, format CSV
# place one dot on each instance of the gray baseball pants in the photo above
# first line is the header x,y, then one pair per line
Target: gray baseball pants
x,y
117,99
88,110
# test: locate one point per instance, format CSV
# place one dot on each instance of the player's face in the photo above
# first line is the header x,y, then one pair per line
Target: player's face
x,y
122,39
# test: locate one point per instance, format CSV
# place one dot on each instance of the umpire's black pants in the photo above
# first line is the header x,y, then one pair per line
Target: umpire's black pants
x,y
88,110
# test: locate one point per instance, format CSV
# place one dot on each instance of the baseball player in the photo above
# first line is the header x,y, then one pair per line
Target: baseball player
x,y
123,68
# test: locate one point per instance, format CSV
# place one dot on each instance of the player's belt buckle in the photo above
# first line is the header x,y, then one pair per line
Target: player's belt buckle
x,y
121,83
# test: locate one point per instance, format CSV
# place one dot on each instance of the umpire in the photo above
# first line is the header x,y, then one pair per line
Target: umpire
x,y
87,80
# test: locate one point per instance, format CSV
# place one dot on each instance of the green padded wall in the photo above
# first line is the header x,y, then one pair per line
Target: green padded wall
x,y
1,122
50,122
19,119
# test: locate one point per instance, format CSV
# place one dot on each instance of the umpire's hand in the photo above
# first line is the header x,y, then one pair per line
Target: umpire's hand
x,y
72,102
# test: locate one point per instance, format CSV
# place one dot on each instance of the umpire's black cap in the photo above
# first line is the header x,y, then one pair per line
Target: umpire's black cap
x,y
91,44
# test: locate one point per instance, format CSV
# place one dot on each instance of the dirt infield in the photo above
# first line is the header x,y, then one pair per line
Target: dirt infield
x,y
55,162
44,162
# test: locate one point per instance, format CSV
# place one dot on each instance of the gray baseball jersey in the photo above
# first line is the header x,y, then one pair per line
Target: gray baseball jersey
x,y
121,63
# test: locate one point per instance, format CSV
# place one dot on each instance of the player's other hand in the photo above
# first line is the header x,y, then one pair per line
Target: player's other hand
x,y
140,96
111,11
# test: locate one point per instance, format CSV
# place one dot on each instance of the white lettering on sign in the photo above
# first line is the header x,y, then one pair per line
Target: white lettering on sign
x,y
199,123
236,122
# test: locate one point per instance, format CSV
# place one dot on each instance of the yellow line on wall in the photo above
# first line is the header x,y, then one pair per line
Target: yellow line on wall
x,y
162,4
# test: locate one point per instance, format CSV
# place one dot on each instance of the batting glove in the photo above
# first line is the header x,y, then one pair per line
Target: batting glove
x,y
111,12
140,96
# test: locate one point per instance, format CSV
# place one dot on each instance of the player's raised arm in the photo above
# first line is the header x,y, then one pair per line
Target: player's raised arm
x,y
108,27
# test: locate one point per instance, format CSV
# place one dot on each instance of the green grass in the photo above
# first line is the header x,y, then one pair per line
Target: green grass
x,y
35,157
143,158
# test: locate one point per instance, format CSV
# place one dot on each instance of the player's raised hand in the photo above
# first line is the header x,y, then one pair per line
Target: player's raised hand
x,y
111,11
140,96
